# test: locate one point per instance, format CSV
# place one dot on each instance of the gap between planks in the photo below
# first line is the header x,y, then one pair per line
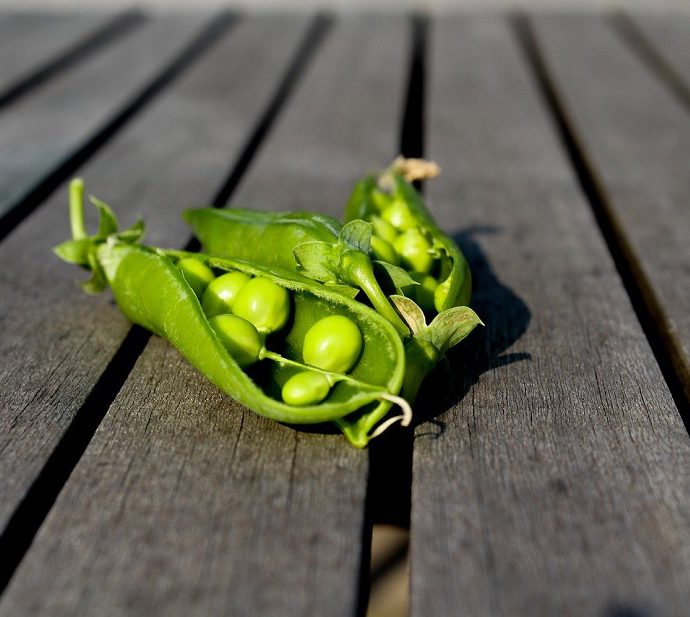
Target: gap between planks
x,y
30,514
649,312
45,186
115,28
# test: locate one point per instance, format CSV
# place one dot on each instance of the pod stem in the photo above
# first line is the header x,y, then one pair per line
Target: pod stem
x,y
381,304
363,277
76,209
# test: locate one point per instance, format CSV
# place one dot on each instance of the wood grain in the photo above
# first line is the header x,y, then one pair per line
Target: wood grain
x,y
42,130
557,480
184,503
31,41
669,34
167,159
637,136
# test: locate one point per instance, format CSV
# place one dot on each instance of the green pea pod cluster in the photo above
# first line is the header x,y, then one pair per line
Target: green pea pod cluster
x,y
403,221
153,288
419,270
314,245
350,337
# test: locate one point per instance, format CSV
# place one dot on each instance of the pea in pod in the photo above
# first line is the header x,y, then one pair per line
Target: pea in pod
x,y
401,218
151,287
314,245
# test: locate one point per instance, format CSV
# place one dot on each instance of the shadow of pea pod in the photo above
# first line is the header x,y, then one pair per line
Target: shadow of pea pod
x,y
506,317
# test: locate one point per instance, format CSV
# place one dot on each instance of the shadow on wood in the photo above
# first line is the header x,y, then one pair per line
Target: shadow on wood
x,y
506,317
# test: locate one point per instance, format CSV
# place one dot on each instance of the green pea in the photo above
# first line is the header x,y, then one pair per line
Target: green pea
x,y
263,303
196,273
381,200
413,248
239,337
399,215
383,250
332,344
384,229
423,294
306,388
222,292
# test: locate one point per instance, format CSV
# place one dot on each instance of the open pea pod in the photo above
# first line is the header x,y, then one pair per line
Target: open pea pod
x,y
151,289
423,351
313,245
402,222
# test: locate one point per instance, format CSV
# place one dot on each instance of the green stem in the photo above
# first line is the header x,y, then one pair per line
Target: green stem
x,y
336,377
76,209
361,274
332,377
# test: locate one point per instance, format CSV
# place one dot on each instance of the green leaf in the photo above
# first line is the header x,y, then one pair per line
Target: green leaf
x,y
75,251
107,221
345,290
97,282
318,260
451,326
410,312
357,234
393,276
134,233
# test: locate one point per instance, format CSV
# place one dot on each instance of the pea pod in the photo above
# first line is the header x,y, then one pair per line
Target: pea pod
x,y
150,288
313,245
393,205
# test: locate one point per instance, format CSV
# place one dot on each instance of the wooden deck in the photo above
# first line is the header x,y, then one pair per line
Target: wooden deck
x,y
552,477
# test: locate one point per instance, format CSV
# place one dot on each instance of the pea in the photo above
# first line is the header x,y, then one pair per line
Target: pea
x,y
239,337
306,388
384,229
222,292
196,273
332,344
381,200
263,303
424,292
383,250
413,248
399,215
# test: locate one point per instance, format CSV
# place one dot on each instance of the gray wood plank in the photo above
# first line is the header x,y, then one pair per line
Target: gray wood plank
x,y
557,482
41,130
669,34
183,504
637,136
52,371
30,42
172,155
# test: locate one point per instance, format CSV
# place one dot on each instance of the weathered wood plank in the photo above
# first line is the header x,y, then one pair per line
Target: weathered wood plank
x,y
32,43
42,130
669,34
559,483
637,136
183,503
60,347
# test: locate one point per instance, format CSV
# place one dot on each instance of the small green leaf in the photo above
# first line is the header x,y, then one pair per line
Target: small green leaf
x,y
357,234
134,233
107,221
393,276
97,282
75,251
451,326
318,260
345,290
410,312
